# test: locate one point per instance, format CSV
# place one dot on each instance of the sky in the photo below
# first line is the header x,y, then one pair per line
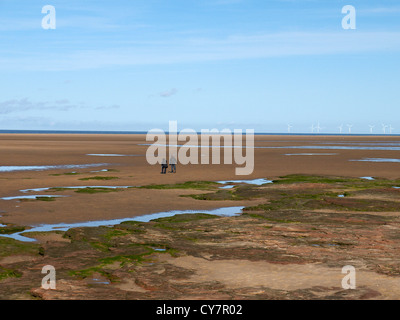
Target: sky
x,y
135,65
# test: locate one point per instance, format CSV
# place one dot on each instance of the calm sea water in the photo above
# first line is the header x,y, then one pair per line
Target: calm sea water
x,y
145,132
70,132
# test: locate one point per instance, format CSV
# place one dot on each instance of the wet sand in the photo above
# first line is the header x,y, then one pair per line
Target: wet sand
x,y
293,246
133,170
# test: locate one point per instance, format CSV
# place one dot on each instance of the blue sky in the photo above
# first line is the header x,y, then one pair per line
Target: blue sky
x,y
238,64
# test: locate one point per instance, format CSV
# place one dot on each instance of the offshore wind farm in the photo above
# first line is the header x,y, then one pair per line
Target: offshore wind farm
x,y
315,128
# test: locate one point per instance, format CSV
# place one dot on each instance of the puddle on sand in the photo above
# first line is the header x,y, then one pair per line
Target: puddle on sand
x,y
30,197
76,187
227,187
96,281
377,160
41,168
367,178
227,212
112,155
334,148
371,143
257,182
316,147
310,154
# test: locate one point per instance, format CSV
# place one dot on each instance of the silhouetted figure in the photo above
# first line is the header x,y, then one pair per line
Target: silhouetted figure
x,y
164,166
172,162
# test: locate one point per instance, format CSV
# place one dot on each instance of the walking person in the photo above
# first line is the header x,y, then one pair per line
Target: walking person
x,y
172,162
164,166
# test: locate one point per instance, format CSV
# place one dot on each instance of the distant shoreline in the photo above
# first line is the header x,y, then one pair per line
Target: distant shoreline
x,y
145,132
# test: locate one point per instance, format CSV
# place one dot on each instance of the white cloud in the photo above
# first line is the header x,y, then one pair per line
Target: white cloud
x,y
380,10
192,50
22,105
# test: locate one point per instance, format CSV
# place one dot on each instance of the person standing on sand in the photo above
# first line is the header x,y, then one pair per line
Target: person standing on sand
x,y
172,162
164,166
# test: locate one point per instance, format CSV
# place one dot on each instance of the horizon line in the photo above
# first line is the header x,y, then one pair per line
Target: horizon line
x,y
45,131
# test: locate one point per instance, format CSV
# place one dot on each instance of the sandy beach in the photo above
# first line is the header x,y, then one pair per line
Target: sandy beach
x,y
321,209
132,169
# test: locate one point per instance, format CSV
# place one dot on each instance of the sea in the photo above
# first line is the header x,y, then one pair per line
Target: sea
x,y
145,132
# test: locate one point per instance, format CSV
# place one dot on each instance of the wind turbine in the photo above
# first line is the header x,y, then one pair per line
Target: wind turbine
x,y
384,126
390,129
318,127
371,127
349,126
312,128
341,128
289,127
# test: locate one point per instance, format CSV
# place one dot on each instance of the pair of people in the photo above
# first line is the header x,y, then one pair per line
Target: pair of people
x,y
164,165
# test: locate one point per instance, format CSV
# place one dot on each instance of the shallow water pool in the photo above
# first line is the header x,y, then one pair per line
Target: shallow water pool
x,y
41,168
227,211
310,154
227,187
377,160
74,187
30,197
112,155
257,182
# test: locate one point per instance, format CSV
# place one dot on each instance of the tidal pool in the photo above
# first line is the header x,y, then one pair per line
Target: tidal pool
x,y
310,154
377,160
30,197
98,281
41,168
227,212
227,187
112,155
323,147
257,182
371,143
76,187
